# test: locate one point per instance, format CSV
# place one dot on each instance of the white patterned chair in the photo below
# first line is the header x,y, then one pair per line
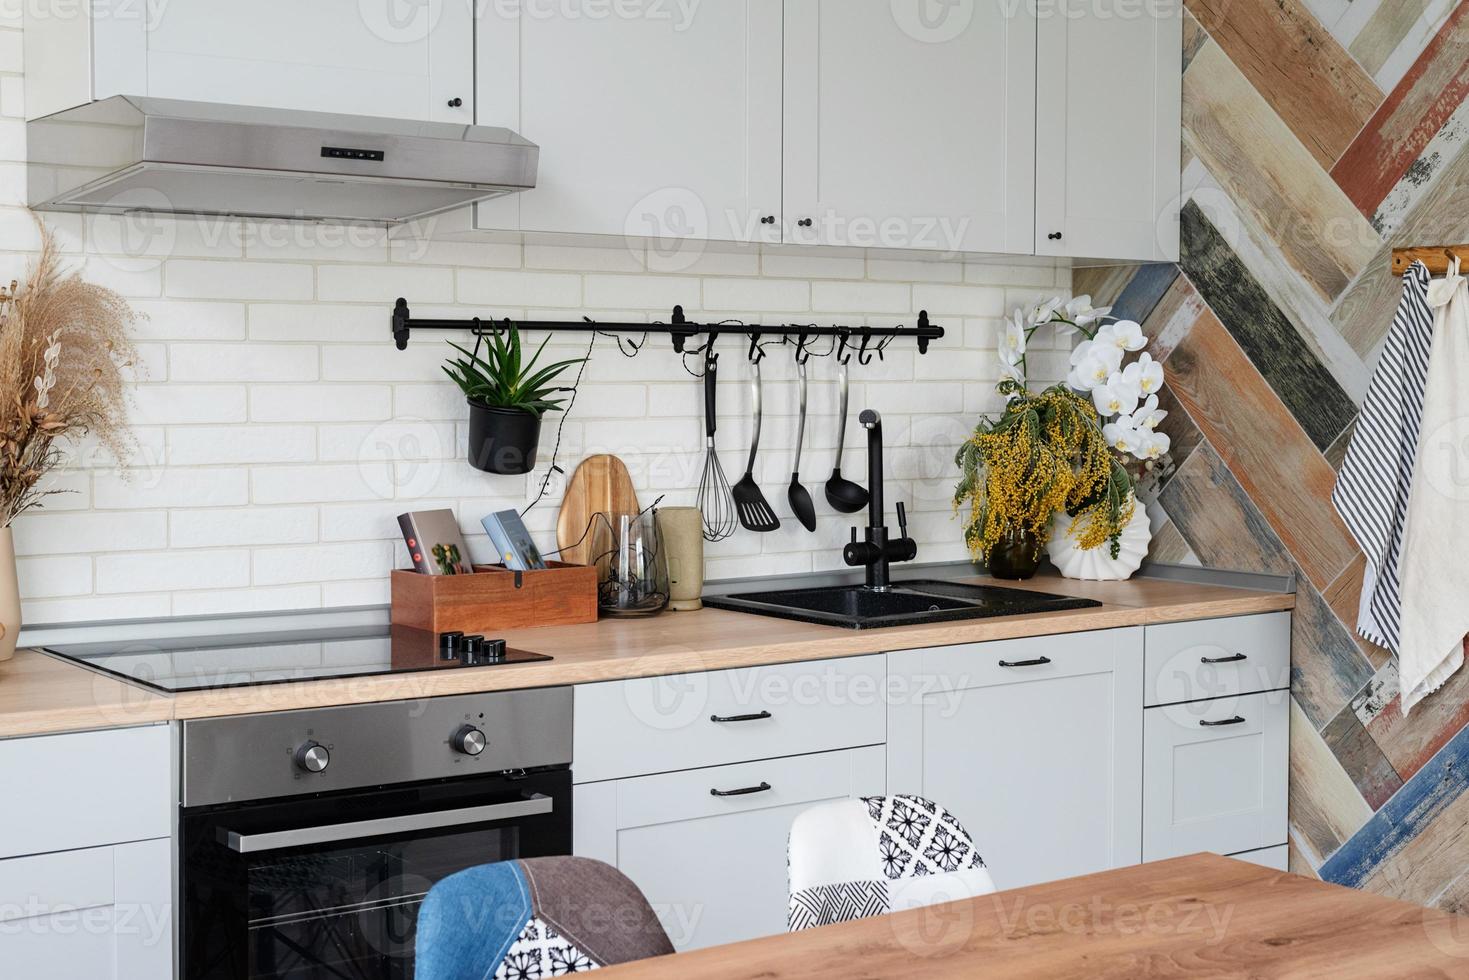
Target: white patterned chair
x,y
858,858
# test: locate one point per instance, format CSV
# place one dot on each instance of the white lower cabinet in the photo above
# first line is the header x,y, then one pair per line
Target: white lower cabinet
x,y
1215,775
86,884
1034,744
714,866
103,913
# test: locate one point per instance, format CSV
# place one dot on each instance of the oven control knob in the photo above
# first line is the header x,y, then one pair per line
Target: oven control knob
x,y
470,740
313,757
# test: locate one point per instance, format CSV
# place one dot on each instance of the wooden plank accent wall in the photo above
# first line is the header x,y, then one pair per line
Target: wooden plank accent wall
x,y
1315,148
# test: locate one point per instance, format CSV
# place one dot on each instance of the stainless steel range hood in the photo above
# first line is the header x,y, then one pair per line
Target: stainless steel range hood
x,y
128,154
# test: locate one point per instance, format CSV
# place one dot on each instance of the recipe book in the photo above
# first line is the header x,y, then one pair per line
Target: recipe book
x,y
434,542
513,543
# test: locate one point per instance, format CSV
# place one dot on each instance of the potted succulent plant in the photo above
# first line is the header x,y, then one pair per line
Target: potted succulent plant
x,y
507,398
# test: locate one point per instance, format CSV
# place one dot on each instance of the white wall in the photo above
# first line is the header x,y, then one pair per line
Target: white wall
x,y
280,431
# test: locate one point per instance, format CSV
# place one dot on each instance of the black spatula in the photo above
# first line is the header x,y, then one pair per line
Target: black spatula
x,y
750,503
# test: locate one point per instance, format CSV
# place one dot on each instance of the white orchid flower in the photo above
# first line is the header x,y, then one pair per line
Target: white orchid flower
x,y
1127,334
1149,415
1011,371
1116,396
1121,436
1096,367
1145,373
1079,310
1044,311
1150,444
1012,344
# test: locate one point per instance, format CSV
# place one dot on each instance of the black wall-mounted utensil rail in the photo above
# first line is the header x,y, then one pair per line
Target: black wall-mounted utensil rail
x,y
678,328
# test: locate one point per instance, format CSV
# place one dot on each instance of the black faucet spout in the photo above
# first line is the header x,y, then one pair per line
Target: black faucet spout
x,y
878,551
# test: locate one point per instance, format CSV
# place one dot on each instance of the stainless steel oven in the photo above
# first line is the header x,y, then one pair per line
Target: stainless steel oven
x,y
309,838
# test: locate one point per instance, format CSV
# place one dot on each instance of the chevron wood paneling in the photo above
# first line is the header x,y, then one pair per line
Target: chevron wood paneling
x,y
1319,134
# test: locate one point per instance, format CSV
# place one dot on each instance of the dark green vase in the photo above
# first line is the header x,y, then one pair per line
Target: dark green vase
x,y
1016,556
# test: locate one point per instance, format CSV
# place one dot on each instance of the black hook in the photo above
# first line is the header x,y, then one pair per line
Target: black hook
x,y
802,354
844,357
863,357
757,353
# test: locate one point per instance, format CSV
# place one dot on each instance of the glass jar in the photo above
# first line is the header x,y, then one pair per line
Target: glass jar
x,y
1017,555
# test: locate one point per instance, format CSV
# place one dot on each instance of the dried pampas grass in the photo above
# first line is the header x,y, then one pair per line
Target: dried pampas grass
x,y
64,344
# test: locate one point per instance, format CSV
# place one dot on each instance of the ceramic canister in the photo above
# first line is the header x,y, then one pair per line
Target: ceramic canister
x,y
682,531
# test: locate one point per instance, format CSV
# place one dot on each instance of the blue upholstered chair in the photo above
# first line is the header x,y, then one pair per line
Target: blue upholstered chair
x,y
540,917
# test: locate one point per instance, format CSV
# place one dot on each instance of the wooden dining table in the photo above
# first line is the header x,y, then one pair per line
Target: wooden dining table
x,y
1202,916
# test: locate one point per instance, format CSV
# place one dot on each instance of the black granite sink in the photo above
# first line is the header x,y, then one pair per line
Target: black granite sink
x,y
904,604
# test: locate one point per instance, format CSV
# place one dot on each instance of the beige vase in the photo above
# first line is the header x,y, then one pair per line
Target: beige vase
x,y
682,531
9,595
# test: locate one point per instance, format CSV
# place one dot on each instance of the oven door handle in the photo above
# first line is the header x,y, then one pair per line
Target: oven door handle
x,y
532,805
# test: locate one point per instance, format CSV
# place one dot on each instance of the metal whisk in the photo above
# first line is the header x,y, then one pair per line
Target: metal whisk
x,y
716,501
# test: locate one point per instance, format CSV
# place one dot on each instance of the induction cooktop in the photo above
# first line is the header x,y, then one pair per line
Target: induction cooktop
x,y
205,663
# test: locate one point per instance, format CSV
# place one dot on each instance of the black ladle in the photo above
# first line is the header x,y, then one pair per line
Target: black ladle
x,y
798,495
841,493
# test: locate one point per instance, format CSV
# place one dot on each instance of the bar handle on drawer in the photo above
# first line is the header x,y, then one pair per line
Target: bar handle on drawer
x,y
1037,662
1236,720
1234,659
726,719
762,788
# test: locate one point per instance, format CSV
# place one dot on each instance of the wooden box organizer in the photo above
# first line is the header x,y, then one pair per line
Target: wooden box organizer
x,y
495,598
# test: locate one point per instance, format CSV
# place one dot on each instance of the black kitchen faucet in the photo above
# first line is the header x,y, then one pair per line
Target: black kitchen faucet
x,y
877,552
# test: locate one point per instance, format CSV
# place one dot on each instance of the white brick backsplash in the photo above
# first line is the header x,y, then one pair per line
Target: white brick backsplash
x,y
242,362
323,563
241,527
156,487
281,433
940,300
873,297
320,403
39,533
756,294
314,322
203,445
45,578
182,320
203,279
306,484
499,290
168,404
384,284
173,571
651,292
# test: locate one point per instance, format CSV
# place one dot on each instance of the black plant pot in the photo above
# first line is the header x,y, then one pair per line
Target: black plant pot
x,y
502,440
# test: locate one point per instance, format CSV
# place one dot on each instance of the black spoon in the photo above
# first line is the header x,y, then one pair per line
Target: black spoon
x,y
798,495
841,493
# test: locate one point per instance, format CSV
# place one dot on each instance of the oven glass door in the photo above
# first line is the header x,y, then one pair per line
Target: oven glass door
x,y
330,887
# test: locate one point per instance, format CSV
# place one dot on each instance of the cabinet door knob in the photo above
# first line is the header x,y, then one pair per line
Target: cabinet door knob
x,y
1236,658
1054,236
455,102
762,788
769,219
1236,720
1037,662
726,719
805,222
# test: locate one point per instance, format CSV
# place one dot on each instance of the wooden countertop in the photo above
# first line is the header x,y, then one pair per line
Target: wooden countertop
x,y
1199,916
39,694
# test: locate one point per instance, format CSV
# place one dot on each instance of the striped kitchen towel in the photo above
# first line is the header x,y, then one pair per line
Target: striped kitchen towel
x,y
1376,480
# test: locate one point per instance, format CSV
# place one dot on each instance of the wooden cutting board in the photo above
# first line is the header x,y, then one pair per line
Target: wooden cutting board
x,y
600,483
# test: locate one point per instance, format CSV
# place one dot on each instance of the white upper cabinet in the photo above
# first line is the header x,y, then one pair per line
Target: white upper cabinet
x,y
662,122
363,57
1108,107
910,124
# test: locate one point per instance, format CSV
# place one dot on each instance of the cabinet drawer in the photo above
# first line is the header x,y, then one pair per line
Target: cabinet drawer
x,y
1033,658
1215,775
688,721
86,789
1216,658
714,867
